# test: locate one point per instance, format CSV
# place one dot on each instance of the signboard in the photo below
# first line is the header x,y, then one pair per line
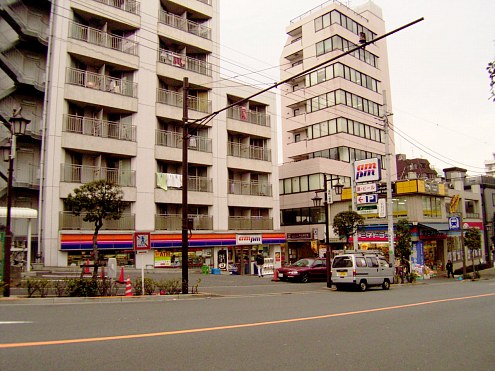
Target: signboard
x,y
382,208
454,223
367,199
366,188
248,239
382,188
142,241
368,170
368,209
299,236
454,203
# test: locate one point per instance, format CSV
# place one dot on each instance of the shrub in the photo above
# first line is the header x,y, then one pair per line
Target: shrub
x,y
82,287
149,286
59,287
33,285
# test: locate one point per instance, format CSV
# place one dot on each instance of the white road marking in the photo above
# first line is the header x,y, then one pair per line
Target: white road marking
x,y
14,322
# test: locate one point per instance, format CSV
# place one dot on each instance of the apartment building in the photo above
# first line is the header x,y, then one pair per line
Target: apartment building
x,y
332,116
102,83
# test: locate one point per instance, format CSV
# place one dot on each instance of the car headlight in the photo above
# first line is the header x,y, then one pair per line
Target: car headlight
x,y
294,273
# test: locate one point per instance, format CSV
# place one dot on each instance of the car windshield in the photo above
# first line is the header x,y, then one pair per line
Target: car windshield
x,y
303,263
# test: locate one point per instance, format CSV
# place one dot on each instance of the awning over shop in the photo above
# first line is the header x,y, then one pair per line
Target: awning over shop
x,y
436,226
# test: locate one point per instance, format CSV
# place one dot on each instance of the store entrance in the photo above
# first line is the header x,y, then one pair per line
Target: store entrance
x,y
244,257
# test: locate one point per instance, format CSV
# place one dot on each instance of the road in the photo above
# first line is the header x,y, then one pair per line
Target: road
x,y
442,325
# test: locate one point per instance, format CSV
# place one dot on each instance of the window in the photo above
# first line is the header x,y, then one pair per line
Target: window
x,y
372,262
360,262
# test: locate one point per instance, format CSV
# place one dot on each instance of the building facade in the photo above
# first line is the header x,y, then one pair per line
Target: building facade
x,y
332,116
102,83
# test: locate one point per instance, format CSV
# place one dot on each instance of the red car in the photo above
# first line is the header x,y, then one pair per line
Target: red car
x,y
304,270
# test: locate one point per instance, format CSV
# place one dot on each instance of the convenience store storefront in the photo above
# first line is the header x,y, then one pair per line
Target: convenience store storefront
x,y
215,250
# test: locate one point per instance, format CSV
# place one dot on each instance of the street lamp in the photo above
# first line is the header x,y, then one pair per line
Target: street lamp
x,y
17,126
328,201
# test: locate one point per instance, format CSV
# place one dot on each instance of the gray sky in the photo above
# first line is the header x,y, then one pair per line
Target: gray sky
x,y
440,86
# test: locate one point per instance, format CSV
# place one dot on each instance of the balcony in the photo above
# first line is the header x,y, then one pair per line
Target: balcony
x,y
184,62
69,221
173,222
247,151
101,82
130,6
85,174
103,39
174,181
242,114
185,25
250,188
250,223
174,140
172,98
29,177
99,128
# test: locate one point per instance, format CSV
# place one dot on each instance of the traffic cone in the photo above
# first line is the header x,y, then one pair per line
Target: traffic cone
x,y
102,274
121,277
275,274
128,287
86,269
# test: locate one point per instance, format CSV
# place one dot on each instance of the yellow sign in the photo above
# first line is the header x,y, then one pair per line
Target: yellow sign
x,y
454,204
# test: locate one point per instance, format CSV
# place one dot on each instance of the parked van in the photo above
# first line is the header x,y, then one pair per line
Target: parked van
x,y
362,269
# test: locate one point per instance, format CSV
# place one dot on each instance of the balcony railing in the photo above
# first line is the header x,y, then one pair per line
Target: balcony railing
x,y
174,140
101,82
173,222
237,187
69,221
99,128
28,111
182,61
84,174
250,223
175,99
31,21
194,183
130,6
185,25
253,117
251,152
104,39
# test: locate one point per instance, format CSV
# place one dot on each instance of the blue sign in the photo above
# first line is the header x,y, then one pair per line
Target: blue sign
x,y
417,253
454,223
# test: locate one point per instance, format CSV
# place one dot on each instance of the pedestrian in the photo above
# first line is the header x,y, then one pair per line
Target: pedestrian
x,y
450,269
260,260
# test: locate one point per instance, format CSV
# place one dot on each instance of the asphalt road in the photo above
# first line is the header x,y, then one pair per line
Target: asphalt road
x,y
441,325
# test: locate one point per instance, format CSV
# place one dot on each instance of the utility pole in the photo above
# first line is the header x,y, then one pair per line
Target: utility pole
x,y
185,145
390,209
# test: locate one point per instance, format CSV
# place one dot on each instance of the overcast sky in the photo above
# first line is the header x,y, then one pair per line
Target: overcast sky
x,y
440,86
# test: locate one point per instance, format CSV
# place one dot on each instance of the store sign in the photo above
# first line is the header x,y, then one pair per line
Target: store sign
x,y
366,188
248,239
367,199
368,170
299,236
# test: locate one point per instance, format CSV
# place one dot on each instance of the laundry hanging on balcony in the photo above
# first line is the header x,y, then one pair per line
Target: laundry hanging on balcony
x,y
161,181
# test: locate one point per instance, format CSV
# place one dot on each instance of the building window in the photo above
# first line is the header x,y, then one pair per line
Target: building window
x,y
432,207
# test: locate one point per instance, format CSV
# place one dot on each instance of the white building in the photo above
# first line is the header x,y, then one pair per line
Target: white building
x,y
101,82
331,116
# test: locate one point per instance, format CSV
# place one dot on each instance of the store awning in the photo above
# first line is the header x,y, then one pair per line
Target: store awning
x,y
436,226
19,213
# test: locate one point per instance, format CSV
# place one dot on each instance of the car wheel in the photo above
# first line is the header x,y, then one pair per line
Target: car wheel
x,y
386,285
363,286
305,278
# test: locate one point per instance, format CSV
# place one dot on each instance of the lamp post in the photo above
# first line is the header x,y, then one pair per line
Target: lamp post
x,y
17,126
328,201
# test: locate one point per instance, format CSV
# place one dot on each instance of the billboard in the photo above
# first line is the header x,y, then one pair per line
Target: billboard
x,y
368,170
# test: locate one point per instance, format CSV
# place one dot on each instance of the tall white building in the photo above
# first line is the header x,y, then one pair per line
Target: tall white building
x,y
332,116
102,83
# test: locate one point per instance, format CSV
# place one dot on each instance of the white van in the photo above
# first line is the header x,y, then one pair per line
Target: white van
x,y
362,269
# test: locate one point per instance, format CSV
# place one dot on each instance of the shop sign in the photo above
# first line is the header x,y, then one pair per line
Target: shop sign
x,y
366,188
367,199
368,170
299,236
248,239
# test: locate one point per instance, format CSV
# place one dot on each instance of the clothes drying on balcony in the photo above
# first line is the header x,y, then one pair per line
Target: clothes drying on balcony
x,y
161,181
166,180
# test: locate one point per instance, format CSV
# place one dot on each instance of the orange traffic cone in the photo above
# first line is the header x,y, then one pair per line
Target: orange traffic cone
x,y
86,269
275,274
121,277
128,287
